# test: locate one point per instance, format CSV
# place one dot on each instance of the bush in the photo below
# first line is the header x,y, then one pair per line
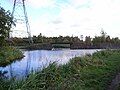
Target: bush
x,y
9,54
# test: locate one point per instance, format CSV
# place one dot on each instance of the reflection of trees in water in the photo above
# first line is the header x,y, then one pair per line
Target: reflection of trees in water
x,y
3,73
37,60
11,71
28,64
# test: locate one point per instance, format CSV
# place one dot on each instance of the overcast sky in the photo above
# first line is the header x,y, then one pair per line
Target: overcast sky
x,y
71,17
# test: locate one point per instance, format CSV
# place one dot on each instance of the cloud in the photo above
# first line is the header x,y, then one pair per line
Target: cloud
x,y
69,21
40,3
75,25
80,3
77,17
57,22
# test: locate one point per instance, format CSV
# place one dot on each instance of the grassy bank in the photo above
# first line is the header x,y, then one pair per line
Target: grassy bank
x,y
8,55
81,73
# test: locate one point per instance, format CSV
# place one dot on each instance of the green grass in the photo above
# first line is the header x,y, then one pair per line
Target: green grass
x,y
118,87
81,73
8,55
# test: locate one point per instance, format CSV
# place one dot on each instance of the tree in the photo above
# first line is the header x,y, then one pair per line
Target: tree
x,y
96,41
6,20
88,41
40,38
103,36
108,39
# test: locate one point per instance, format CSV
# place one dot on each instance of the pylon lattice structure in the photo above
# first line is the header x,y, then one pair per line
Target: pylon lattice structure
x,y
22,28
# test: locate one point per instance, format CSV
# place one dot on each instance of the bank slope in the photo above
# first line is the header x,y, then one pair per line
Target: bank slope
x,y
81,73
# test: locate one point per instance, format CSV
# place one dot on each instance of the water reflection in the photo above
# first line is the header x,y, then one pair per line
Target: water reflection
x,y
38,59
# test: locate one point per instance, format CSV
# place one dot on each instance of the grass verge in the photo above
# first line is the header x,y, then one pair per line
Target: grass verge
x,y
81,73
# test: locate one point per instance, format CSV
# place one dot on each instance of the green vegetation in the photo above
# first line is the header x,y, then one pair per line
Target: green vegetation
x,y
81,73
118,87
6,21
102,41
8,55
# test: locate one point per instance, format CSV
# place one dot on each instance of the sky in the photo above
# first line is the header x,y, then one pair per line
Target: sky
x,y
71,17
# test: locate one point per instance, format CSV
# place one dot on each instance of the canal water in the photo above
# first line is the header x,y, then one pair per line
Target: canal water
x,y
38,59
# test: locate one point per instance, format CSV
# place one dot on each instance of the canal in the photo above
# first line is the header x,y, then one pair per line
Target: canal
x,y
38,59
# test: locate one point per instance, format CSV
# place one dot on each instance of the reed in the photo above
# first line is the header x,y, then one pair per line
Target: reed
x,y
91,72
9,54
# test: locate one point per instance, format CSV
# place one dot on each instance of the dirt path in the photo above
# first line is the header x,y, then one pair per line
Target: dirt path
x,y
115,83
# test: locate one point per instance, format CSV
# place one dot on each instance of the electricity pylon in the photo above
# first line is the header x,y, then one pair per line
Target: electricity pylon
x,y
19,14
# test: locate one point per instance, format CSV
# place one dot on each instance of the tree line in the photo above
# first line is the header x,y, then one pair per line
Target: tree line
x,y
102,41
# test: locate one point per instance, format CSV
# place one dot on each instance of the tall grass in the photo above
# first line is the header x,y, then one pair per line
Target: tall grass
x,y
8,55
81,73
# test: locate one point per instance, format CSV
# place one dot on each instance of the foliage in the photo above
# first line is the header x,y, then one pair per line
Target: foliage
x,y
5,25
81,73
8,55
102,41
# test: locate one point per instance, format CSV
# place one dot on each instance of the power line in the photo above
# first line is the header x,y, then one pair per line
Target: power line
x,y
19,14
